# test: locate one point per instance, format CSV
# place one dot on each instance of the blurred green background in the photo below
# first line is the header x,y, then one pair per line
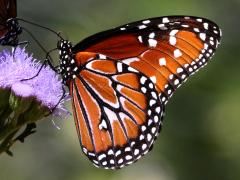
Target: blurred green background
x,y
201,134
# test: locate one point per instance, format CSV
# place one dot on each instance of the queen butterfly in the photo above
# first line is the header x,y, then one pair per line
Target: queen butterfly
x,y
121,79
9,26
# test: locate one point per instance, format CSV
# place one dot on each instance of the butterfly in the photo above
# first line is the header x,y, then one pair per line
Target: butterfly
x,y
9,26
121,79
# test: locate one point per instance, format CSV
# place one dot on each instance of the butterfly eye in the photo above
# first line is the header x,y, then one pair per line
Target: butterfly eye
x,y
59,44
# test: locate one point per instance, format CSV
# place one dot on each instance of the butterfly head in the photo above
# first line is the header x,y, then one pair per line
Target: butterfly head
x,y
68,66
64,45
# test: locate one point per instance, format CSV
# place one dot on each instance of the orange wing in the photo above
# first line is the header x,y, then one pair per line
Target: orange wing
x,y
165,49
117,112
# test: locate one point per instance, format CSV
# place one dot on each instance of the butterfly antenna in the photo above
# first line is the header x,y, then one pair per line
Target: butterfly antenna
x,y
35,39
43,27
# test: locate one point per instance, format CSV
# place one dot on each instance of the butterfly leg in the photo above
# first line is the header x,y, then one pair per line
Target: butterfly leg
x,y
47,61
25,43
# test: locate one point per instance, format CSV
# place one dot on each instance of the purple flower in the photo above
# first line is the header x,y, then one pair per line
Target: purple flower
x,y
46,87
24,99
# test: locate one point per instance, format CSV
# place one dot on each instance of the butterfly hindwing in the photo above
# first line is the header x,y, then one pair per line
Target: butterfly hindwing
x,y
117,112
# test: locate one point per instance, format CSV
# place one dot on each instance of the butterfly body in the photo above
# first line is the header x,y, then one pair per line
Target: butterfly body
x,y
121,79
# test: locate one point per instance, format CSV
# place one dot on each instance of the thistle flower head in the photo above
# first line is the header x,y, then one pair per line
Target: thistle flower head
x,y
24,99
18,65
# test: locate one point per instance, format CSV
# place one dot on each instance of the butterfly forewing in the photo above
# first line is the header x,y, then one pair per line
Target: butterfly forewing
x,y
166,49
117,112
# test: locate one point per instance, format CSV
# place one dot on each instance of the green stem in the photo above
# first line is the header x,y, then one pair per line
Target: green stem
x,y
7,143
4,115
8,131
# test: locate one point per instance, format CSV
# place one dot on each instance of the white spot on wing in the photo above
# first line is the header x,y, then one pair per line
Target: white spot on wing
x,y
205,46
89,65
130,60
144,146
154,79
185,25
152,35
144,90
153,130
128,157
119,67
149,137
179,70
101,56
146,22
162,62
199,20
162,27
177,53
110,114
152,102
202,36
172,40
102,125
212,43
205,25
140,39
176,82
100,157
127,149
143,80
131,69
136,152
173,32
142,27
119,87
152,42
158,109
110,152
118,153
165,20
196,29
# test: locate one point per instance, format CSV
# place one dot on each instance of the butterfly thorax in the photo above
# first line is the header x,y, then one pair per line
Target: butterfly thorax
x,y
68,66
